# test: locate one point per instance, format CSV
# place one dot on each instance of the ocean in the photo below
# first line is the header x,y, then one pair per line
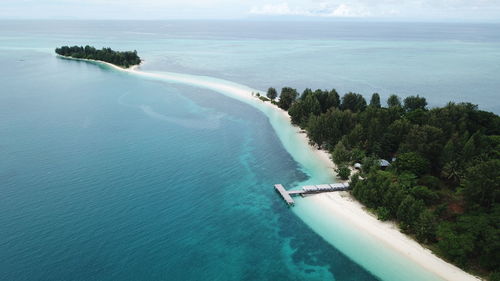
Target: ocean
x,y
106,175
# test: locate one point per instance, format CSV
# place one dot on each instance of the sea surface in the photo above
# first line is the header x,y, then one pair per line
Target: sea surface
x,y
106,175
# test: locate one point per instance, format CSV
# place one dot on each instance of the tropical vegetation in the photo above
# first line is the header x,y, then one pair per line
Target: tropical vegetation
x,y
122,59
443,182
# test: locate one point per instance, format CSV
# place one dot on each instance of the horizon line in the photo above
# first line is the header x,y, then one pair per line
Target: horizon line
x,y
271,19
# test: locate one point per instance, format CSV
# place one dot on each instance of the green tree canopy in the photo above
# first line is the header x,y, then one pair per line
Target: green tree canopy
x,y
412,162
343,172
271,93
353,102
329,99
287,97
122,59
375,100
482,184
393,101
412,103
426,140
340,154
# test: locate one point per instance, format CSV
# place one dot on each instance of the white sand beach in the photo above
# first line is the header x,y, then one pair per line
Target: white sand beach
x,y
342,204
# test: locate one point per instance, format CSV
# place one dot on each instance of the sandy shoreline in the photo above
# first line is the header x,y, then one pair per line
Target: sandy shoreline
x,y
322,155
338,204
344,205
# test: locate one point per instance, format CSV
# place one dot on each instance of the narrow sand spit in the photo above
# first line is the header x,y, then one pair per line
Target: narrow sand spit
x,y
341,205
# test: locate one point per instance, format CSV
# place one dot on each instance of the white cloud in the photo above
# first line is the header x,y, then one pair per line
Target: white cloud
x,y
322,9
344,10
404,9
214,9
278,9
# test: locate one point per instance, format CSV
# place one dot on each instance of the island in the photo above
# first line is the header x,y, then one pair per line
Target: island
x,y
435,172
120,59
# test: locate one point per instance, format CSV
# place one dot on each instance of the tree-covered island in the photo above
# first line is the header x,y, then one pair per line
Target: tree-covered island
x,y
441,180
121,59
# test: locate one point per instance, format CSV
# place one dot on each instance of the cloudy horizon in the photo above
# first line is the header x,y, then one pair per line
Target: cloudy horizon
x,y
473,10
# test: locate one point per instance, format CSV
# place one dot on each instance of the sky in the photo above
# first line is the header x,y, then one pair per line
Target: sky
x,y
432,10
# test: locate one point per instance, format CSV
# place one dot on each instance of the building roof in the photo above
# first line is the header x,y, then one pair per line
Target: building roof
x,y
384,163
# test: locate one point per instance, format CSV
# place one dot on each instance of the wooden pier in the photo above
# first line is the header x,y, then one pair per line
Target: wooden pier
x,y
308,189
286,196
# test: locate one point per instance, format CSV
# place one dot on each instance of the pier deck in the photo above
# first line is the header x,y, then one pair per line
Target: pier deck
x,y
308,189
286,196
295,192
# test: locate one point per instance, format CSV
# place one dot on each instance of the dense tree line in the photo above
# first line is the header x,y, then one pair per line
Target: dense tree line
x,y
443,185
123,59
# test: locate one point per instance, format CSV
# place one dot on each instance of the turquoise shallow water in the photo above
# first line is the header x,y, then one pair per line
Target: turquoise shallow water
x,y
110,176
106,176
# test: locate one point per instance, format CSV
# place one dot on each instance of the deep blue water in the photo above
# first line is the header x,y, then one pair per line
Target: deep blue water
x,y
107,176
